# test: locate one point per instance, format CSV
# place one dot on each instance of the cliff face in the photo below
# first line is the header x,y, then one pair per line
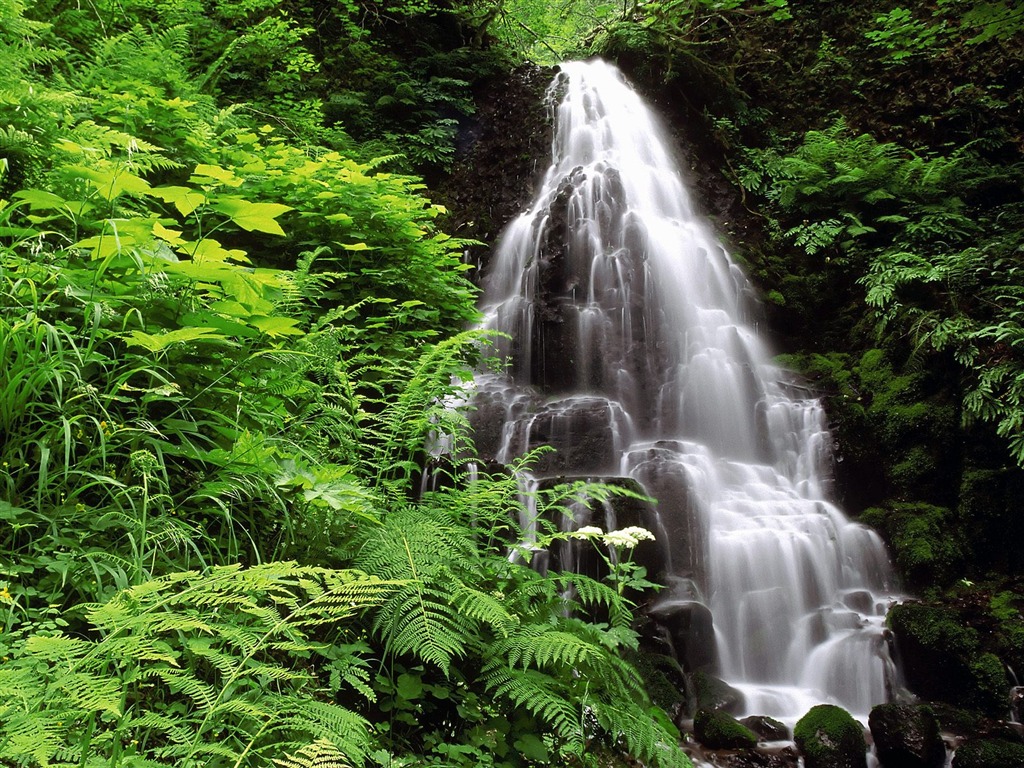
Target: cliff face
x,y
740,91
502,152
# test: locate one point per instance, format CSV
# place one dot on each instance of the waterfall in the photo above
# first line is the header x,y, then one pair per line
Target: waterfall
x,y
631,348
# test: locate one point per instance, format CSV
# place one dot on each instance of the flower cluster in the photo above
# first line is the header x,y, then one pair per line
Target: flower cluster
x,y
626,538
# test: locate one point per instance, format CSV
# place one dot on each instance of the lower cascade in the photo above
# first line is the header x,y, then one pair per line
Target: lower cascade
x,y
632,351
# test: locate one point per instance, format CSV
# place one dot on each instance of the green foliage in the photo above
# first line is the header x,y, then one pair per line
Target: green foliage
x,y
471,626
934,265
903,35
226,356
190,669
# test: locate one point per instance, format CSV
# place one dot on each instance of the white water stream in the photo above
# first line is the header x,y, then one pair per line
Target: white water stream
x,y
630,323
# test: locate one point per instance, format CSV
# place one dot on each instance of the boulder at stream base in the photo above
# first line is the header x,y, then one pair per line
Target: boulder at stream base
x,y
828,737
989,753
713,693
767,728
906,736
720,730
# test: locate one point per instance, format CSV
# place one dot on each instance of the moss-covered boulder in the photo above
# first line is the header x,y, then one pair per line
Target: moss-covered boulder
x,y
942,659
919,535
719,730
828,737
906,736
989,753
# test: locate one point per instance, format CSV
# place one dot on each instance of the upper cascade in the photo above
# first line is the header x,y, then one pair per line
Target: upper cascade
x,y
632,349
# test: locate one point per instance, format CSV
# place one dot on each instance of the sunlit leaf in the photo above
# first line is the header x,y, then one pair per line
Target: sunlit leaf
x,y
210,250
185,199
277,326
204,173
252,217
156,342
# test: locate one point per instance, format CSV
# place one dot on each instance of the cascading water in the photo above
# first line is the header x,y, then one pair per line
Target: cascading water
x,y
631,350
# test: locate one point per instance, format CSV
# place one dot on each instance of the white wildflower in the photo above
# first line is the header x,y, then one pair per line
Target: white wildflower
x,y
638,533
627,538
587,531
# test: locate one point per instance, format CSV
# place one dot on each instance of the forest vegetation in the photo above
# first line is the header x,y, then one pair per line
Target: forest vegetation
x,y
233,319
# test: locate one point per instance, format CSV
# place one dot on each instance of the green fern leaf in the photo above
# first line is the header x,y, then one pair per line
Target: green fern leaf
x,y
320,754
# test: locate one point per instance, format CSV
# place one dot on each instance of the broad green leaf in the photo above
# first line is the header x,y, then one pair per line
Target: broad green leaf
x,y
356,247
258,217
409,687
111,182
532,748
185,199
170,235
277,326
160,341
240,286
203,173
208,250
39,200
105,245
223,324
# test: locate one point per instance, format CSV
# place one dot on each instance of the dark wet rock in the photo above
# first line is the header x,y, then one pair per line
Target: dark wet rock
x,y
768,728
501,154
712,693
681,535
581,430
690,627
719,730
828,737
906,736
989,753
860,600
761,758
955,720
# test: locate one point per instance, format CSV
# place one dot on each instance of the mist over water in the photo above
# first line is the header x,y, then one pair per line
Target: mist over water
x,y
633,350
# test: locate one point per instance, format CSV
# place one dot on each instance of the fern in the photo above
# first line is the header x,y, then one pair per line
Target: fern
x,y
540,694
421,617
232,647
320,754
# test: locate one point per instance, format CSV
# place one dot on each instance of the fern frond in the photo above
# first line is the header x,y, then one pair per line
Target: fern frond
x,y
184,682
421,620
91,693
483,608
542,647
646,734
541,695
320,754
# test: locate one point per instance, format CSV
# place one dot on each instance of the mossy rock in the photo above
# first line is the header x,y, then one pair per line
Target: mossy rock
x,y
719,730
919,536
828,737
989,753
942,659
